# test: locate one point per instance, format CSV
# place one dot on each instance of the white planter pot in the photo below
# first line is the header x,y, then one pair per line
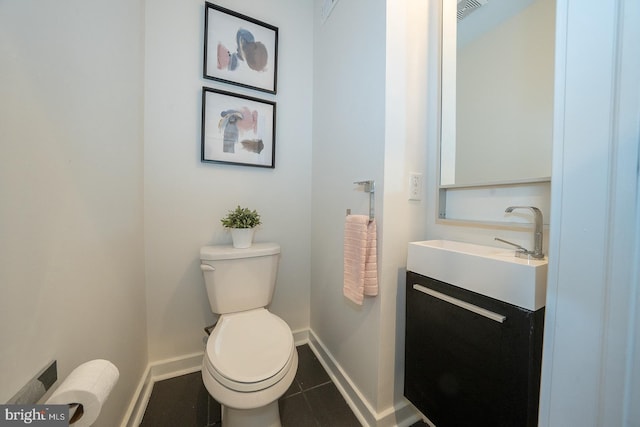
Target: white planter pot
x,y
242,237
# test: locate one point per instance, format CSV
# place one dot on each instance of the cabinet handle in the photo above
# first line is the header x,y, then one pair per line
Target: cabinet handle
x,y
462,304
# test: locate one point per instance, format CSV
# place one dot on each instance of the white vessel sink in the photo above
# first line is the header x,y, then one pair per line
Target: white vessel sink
x,y
494,272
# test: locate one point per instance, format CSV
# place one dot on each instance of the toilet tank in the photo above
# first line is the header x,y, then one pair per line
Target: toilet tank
x,y
239,279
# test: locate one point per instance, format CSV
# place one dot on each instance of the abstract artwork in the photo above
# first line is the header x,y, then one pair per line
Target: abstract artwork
x,y
239,50
237,129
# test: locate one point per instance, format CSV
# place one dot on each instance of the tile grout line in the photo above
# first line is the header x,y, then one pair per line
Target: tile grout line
x,y
317,385
310,407
302,391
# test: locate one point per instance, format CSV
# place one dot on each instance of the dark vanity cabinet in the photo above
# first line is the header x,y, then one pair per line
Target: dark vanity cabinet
x,y
470,360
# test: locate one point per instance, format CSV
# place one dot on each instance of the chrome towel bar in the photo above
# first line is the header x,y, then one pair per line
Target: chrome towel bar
x,y
369,187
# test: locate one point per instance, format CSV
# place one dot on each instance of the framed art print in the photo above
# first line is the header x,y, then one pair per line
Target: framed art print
x,y
237,129
239,50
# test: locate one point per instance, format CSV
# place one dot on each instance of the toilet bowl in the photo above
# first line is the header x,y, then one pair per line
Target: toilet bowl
x,y
250,359
250,362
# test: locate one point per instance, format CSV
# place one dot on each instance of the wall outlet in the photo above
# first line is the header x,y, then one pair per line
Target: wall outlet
x,y
415,186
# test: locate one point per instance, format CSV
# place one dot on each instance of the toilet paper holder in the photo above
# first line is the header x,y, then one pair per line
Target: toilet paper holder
x,y
37,386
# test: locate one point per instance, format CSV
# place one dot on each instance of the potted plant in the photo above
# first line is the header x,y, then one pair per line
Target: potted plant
x,y
242,223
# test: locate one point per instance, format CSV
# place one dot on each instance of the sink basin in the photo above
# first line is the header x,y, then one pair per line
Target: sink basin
x,y
490,271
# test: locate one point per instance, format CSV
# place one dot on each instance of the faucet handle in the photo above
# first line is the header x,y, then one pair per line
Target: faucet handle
x,y
521,252
512,244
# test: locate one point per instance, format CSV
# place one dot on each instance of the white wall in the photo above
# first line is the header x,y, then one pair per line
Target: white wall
x,y
409,89
185,199
71,250
369,107
590,372
348,146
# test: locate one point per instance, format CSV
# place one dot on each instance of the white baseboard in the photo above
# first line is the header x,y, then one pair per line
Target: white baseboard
x,y
301,336
135,411
402,414
158,371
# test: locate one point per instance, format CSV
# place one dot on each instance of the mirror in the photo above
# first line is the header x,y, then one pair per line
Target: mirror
x,y
497,91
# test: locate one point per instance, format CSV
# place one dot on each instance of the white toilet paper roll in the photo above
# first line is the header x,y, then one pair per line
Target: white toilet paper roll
x,y
89,386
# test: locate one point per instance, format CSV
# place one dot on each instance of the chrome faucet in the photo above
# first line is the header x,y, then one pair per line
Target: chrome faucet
x,y
537,234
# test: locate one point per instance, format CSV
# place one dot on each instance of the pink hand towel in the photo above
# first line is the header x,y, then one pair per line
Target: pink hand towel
x,y
360,258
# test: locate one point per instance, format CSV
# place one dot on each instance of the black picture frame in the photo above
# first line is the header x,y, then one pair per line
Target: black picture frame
x,y
237,129
240,50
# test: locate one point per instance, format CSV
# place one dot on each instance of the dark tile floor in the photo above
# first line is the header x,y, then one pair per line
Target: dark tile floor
x,y
311,401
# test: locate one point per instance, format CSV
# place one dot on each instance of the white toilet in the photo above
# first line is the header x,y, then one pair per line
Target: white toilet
x,y
251,358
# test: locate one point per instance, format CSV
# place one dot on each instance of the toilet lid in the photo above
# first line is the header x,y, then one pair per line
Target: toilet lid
x,y
248,348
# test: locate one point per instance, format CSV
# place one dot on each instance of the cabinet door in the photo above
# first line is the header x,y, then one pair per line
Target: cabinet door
x,y
467,356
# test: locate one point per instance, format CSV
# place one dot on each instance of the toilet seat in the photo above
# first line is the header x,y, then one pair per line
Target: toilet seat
x,y
250,350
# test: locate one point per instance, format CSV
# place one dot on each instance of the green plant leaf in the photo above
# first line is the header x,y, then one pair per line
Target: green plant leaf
x,y
241,218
